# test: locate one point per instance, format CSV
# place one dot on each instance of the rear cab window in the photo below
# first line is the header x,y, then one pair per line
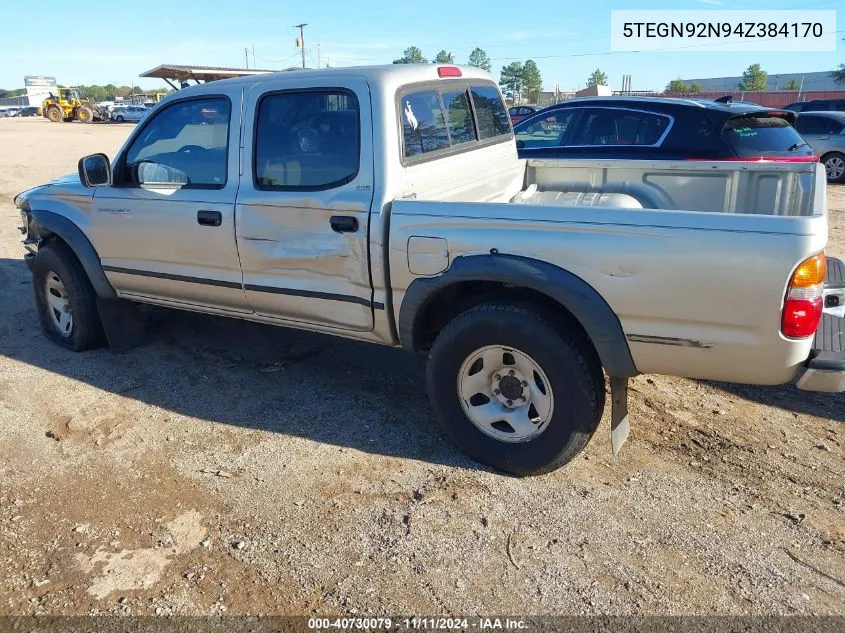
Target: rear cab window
x,y
452,117
764,135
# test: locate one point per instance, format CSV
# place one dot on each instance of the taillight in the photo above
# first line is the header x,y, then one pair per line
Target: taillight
x,y
804,303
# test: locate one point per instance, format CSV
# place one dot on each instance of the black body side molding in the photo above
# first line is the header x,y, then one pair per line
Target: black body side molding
x,y
591,310
48,222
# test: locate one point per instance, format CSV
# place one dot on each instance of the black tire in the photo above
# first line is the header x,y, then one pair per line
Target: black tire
x,y
86,332
119,118
840,158
55,114
84,114
564,354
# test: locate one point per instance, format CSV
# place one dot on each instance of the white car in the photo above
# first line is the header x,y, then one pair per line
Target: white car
x,y
129,113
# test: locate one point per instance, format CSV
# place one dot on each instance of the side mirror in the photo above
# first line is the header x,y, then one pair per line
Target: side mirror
x,y
95,170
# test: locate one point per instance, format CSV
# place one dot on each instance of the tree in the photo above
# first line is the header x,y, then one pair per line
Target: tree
x,y
512,80
679,85
754,78
676,85
532,81
444,58
598,78
411,55
479,59
791,85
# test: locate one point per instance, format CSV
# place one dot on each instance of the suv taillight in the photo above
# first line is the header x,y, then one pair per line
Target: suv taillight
x,y
803,307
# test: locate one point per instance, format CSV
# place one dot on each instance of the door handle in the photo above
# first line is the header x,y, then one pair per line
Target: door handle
x,y
344,223
210,218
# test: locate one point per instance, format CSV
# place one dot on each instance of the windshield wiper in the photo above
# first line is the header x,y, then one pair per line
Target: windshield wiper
x,y
795,146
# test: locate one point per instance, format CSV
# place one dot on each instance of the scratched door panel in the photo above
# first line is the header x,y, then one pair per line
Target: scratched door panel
x,y
303,243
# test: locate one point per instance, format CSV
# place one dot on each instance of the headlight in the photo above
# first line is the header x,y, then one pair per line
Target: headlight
x,y
24,227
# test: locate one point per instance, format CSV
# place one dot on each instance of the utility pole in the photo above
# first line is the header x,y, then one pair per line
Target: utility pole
x,y
246,57
253,55
318,55
301,41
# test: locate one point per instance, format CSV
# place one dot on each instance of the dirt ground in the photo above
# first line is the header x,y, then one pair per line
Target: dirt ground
x,y
230,467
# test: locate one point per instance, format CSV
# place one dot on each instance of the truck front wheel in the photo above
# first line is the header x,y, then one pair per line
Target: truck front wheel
x,y
514,391
65,300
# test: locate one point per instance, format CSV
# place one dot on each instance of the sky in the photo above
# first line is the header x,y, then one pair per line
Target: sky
x,y
568,38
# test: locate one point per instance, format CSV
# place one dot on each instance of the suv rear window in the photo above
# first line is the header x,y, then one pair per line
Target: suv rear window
x,y
763,135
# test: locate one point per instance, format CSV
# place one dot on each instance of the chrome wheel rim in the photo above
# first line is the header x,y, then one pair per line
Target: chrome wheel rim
x,y
835,167
505,393
58,304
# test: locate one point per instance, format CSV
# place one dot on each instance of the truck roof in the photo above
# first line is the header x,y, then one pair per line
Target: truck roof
x,y
387,74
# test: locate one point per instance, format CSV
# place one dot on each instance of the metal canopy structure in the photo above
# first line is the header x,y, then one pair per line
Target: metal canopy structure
x,y
200,74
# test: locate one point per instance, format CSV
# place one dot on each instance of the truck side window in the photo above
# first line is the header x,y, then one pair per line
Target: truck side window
x,y
306,140
493,119
423,123
185,144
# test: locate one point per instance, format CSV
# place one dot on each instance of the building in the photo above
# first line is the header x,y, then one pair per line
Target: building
x,y
806,82
37,89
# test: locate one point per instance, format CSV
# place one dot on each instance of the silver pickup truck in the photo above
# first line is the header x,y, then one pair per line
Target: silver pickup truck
x,y
387,204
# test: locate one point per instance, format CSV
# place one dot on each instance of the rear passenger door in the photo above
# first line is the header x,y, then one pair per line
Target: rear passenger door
x,y
304,202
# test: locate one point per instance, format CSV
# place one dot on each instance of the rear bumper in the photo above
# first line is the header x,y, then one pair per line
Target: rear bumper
x,y
826,366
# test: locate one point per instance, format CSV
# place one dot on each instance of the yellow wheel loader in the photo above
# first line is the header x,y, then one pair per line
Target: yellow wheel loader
x,y
67,106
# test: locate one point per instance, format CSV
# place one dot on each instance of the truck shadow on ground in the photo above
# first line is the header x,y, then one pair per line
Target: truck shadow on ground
x,y
233,372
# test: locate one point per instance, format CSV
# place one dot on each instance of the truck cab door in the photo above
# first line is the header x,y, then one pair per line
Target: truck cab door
x,y
165,230
303,206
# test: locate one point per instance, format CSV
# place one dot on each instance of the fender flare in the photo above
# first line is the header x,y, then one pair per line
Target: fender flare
x,y
573,293
48,222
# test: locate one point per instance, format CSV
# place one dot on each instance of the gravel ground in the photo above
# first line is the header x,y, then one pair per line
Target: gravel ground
x,y
230,467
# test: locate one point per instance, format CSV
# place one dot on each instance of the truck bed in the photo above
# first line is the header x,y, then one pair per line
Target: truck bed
x,y
763,188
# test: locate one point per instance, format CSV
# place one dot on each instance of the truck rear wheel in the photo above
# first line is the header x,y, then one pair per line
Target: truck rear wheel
x,y
55,114
514,391
65,300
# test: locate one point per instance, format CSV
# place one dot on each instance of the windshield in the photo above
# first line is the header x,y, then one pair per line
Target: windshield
x,y
764,135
